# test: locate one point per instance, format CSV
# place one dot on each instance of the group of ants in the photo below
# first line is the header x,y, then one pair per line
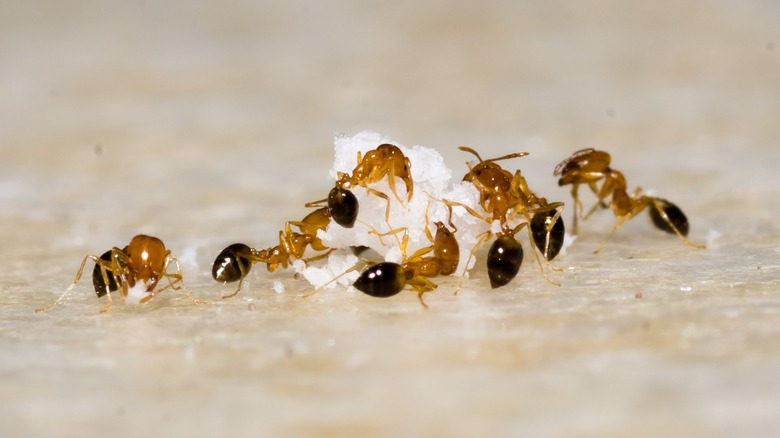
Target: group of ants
x,y
504,197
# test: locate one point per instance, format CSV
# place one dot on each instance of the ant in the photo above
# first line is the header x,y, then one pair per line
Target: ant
x,y
235,261
386,279
144,260
503,197
589,166
386,160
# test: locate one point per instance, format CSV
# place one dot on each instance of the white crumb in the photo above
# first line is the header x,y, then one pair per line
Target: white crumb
x,y
136,293
340,269
278,287
712,236
298,265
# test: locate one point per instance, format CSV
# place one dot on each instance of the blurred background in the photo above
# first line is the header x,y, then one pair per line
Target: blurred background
x,y
205,123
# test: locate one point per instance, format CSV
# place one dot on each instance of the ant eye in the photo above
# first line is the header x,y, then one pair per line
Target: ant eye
x,y
97,277
675,215
381,280
230,265
539,225
504,259
343,207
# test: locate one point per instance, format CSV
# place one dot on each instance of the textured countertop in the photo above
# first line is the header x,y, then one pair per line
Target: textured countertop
x,y
206,123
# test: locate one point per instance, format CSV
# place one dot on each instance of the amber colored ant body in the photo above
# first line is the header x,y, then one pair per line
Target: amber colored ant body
x,y
589,166
235,261
504,196
386,160
387,279
144,260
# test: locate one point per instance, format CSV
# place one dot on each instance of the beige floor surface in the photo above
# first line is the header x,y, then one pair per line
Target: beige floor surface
x,y
206,123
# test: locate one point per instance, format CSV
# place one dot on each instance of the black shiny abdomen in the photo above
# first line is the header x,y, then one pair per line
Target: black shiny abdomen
x,y
97,277
343,207
539,224
503,261
381,280
230,265
675,215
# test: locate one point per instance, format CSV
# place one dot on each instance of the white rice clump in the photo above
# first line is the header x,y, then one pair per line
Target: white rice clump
x,y
430,177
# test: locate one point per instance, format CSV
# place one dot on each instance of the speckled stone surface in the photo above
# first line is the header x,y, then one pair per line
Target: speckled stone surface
x,y
206,123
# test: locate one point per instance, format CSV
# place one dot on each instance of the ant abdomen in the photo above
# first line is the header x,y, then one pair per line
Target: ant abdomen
x,y
503,261
382,280
230,265
673,212
343,207
539,226
97,277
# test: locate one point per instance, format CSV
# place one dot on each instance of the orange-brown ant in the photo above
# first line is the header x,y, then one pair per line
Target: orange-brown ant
x,y
144,260
386,279
386,160
589,166
505,196
235,261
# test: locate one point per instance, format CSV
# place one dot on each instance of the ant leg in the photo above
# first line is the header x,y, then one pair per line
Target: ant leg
x,y
486,235
394,232
119,264
548,230
577,208
422,285
177,278
599,203
318,256
76,280
617,226
383,196
235,292
356,267
666,219
317,204
536,251
391,183
468,209
253,257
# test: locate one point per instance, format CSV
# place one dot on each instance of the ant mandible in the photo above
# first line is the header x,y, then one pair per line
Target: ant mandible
x,y
589,166
386,160
235,261
504,196
144,260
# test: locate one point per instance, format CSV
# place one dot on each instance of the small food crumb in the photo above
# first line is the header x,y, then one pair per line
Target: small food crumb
x,y
638,295
278,287
252,306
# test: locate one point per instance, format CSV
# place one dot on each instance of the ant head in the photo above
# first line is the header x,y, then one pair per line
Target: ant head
x,y
147,259
97,277
231,264
343,207
487,173
673,217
